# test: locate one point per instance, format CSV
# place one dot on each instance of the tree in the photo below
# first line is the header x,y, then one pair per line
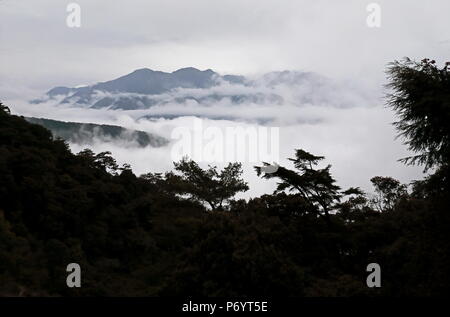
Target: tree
x,y
139,237
316,186
388,192
4,109
207,185
106,161
421,98
102,160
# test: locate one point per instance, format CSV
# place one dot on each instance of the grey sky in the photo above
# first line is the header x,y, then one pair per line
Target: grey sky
x,y
38,50
249,37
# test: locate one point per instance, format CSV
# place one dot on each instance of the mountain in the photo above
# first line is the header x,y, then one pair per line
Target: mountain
x,y
185,90
144,88
140,89
88,133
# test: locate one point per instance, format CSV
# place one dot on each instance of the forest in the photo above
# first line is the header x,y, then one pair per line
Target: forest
x,y
183,232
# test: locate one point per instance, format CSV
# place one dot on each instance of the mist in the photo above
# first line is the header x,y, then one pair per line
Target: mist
x,y
343,121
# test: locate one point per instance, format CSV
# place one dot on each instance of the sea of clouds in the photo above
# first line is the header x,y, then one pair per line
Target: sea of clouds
x,y
343,121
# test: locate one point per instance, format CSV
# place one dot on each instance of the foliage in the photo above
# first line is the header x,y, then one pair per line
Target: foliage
x,y
209,186
315,186
421,99
388,191
153,235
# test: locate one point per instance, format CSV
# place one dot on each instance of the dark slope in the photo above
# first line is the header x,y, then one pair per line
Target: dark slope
x,y
136,236
57,208
87,133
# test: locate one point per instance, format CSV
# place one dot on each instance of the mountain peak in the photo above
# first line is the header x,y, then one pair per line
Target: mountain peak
x,y
193,70
143,70
186,69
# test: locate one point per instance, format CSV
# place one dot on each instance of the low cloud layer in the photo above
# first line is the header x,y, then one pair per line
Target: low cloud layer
x,y
343,122
273,99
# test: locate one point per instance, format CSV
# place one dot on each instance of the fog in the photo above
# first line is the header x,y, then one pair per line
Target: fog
x,y
344,122
341,116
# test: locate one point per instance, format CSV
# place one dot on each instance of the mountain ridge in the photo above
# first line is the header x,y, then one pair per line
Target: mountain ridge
x,y
143,81
144,88
86,133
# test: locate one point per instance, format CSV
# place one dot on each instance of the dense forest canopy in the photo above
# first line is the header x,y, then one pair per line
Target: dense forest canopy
x,y
183,233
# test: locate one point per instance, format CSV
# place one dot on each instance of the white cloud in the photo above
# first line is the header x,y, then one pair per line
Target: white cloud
x,y
251,37
357,141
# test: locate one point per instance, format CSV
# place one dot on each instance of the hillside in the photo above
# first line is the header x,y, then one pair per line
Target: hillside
x,y
152,235
88,133
57,208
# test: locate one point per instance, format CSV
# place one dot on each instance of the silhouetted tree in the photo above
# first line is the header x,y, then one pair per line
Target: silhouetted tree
x,y
316,186
150,235
4,109
388,192
207,185
421,99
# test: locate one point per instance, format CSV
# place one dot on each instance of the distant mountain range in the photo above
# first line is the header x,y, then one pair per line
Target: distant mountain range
x,y
88,133
145,88
139,89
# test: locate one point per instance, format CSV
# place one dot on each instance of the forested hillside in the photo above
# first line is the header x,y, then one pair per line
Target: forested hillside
x,y
182,233
89,133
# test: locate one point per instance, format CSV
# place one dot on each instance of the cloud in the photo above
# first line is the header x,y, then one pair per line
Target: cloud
x,y
273,98
343,120
359,140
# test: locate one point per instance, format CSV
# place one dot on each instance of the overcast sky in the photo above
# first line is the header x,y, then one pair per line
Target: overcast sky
x,y
249,37
38,50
